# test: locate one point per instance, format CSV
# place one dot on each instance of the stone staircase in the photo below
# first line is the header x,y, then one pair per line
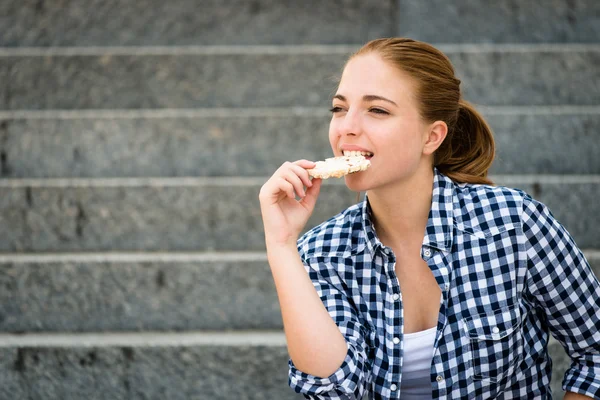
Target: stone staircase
x,y
134,138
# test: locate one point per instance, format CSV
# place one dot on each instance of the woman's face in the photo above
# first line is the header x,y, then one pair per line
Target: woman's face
x,y
374,111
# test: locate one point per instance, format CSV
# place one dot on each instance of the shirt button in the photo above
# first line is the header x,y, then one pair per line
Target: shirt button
x,y
396,340
396,296
393,388
427,253
439,378
495,330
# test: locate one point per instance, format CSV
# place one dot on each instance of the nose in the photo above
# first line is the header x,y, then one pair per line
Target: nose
x,y
349,124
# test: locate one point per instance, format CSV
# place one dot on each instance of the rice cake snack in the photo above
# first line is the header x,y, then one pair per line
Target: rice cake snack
x,y
336,167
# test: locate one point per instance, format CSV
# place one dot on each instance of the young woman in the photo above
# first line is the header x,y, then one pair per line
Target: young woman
x,y
438,284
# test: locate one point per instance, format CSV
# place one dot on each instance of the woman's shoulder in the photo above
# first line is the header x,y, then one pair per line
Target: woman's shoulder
x,y
487,207
492,192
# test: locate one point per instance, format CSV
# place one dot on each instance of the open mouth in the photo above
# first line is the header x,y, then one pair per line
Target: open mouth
x,y
366,154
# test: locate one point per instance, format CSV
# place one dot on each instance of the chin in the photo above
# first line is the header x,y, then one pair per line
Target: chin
x,y
357,182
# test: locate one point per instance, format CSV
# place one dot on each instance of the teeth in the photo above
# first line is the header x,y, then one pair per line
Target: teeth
x,y
357,153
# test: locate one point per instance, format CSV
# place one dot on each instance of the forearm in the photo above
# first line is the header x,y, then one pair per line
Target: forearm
x,y
575,396
315,343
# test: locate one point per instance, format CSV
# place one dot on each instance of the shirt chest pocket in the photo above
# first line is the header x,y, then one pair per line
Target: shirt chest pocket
x,y
495,343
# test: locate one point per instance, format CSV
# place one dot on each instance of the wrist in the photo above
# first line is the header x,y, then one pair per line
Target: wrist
x,y
289,241
277,249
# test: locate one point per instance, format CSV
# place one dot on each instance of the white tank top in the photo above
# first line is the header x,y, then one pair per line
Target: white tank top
x,y
416,367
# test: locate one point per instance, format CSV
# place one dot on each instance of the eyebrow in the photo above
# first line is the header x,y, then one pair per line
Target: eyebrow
x,y
367,97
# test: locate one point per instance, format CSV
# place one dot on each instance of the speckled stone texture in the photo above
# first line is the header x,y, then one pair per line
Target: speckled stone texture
x,y
208,216
237,146
546,144
141,296
168,81
131,373
500,21
211,146
128,373
188,22
548,77
75,296
560,364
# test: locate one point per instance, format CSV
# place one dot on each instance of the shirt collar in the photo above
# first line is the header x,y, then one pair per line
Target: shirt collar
x,y
370,237
438,232
440,224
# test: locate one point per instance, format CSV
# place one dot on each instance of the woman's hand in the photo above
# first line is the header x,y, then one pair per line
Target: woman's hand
x,y
284,217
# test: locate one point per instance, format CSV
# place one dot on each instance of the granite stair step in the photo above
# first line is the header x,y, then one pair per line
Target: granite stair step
x,y
501,21
89,292
275,76
188,22
233,142
151,23
203,214
113,292
203,365
216,365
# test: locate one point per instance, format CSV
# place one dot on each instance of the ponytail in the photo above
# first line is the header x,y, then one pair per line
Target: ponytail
x,y
468,151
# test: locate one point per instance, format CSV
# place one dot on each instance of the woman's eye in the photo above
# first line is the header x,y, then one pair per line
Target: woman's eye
x,y
378,111
335,109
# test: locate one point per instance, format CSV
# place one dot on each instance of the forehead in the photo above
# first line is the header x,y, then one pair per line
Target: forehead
x,y
370,74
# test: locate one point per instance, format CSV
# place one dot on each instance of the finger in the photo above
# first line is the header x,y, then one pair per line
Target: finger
x,y
302,174
312,194
295,180
305,164
286,187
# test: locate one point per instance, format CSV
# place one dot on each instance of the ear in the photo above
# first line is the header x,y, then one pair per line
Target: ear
x,y
435,136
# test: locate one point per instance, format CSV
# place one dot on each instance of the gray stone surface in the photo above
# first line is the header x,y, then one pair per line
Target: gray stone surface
x,y
256,146
529,78
168,81
134,373
213,215
500,21
546,144
162,373
188,22
560,364
111,296
74,296
499,77
209,215
151,147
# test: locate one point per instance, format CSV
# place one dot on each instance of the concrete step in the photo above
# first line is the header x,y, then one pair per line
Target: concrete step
x,y
501,21
111,292
279,76
184,22
187,22
233,142
200,214
183,366
137,292
145,366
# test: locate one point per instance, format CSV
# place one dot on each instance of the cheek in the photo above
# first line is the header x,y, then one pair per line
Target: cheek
x,y
333,136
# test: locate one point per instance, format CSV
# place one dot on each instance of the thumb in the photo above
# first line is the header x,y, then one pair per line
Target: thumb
x,y
312,193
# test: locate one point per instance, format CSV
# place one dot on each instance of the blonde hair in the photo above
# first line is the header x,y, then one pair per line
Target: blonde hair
x,y
468,150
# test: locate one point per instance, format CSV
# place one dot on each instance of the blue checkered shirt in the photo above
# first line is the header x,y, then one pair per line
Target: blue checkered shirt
x,y
509,273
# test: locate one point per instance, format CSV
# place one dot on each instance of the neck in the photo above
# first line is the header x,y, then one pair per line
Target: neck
x,y
400,212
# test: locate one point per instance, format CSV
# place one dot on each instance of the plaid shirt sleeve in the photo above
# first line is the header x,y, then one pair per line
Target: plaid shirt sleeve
x,y
563,284
348,382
